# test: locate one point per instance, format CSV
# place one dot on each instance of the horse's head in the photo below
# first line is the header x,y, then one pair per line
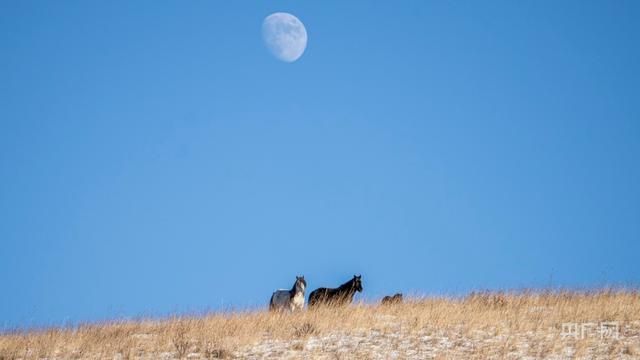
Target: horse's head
x,y
301,283
357,283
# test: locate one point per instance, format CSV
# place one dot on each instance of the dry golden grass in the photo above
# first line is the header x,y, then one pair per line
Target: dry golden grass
x,y
479,326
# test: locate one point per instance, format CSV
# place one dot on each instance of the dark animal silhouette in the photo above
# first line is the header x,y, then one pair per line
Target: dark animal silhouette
x,y
395,299
343,295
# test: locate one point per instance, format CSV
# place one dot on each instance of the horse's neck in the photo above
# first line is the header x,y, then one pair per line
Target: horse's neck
x,y
347,288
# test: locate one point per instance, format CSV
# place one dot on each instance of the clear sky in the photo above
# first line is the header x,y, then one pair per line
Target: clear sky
x,y
155,157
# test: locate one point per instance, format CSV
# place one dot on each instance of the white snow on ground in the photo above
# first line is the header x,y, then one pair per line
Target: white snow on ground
x,y
395,340
399,343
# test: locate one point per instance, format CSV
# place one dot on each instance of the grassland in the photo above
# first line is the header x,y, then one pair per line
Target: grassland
x,y
512,325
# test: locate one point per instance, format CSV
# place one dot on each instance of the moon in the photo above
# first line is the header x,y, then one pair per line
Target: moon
x,y
285,36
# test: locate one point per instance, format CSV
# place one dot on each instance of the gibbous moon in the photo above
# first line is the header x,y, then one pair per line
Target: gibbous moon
x,y
285,36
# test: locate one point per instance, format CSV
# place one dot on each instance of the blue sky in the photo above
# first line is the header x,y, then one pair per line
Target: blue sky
x,y
156,158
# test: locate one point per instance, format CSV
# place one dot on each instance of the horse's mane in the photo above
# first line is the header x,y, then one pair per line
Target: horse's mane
x,y
347,285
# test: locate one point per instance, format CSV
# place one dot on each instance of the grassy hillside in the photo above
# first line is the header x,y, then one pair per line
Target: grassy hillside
x,y
480,325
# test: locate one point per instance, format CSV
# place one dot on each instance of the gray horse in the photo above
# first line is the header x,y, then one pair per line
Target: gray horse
x,y
289,300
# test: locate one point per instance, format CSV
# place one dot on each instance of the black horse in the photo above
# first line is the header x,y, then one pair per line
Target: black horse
x,y
342,295
395,299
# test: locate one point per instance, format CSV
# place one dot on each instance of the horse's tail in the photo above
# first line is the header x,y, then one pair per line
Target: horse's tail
x,y
272,305
313,298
